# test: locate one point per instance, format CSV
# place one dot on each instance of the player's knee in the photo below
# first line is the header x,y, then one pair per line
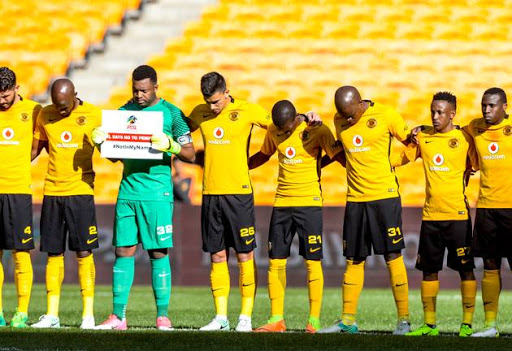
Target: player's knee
x,y
390,256
430,276
157,254
55,254
356,260
83,254
467,275
245,256
126,251
219,257
492,263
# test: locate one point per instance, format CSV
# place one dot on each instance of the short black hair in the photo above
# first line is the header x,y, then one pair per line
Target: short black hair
x,y
144,72
211,83
497,91
7,79
446,96
282,112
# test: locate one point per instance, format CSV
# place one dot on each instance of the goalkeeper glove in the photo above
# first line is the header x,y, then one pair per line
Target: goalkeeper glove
x,y
163,142
98,136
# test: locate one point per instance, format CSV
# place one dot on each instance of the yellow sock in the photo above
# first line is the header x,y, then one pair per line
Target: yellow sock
x,y
247,283
429,290
87,277
491,287
315,287
1,282
468,292
219,278
400,286
54,278
23,277
353,281
277,285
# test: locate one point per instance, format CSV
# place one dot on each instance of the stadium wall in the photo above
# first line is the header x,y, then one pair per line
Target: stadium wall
x,y
190,266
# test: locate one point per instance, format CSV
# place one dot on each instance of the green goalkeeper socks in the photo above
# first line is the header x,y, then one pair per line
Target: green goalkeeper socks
x,y
122,280
161,275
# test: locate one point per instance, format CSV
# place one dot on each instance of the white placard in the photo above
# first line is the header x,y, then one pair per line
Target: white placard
x,y
129,134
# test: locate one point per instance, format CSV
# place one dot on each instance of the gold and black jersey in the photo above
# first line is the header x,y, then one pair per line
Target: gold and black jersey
x,y
17,130
444,157
299,155
367,146
493,144
70,149
226,141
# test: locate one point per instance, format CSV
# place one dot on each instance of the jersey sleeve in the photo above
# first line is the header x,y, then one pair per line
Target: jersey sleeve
x,y
328,143
268,147
192,119
39,132
260,116
405,155
397,126
472,153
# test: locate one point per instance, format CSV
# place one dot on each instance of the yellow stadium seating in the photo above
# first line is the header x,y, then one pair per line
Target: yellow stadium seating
x,y
398,53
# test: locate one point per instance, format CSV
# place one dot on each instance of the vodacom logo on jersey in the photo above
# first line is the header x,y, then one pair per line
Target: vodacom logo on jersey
x,y
66,137
218,134
358,142
493,149
438,160
290,154
8,134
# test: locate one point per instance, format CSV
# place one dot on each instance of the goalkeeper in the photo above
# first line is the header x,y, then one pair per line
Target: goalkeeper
x,y
145,203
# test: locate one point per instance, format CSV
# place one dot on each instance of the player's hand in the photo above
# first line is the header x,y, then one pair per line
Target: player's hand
x,y
98,136
414,134
313,119
162,142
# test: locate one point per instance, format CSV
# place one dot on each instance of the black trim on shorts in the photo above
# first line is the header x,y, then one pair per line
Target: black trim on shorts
x,y
492,236
228,221
74,215
16,222
306,221
436,236
373,224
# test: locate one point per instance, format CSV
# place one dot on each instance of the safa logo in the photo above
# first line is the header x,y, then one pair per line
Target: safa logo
x,y
131,123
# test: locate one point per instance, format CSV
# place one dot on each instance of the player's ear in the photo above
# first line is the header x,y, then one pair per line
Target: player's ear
x,y
156,87
226,93
16,88
505,106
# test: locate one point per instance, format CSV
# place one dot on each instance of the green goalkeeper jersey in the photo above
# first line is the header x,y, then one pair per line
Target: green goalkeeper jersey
x,y
151,179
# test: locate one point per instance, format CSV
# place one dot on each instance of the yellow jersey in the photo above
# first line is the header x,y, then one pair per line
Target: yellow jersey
x,y
70,149
299,155
493,146
226,139
17,130
367,145
445,160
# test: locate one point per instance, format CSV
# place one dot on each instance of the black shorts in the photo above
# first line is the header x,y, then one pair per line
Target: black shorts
x,y
435,237
492,237
16,222
228,221
374,223
73,214
306,221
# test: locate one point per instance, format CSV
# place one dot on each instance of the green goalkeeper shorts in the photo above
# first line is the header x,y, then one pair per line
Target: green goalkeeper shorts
x,y
146,222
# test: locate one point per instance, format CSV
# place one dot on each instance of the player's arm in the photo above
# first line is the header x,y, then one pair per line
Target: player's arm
x,y
398,128
40,140
183,147
409,154
258,159
472,164
37,147
339,157
267,150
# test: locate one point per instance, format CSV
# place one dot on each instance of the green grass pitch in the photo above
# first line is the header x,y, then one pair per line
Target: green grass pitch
x,y
193,307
